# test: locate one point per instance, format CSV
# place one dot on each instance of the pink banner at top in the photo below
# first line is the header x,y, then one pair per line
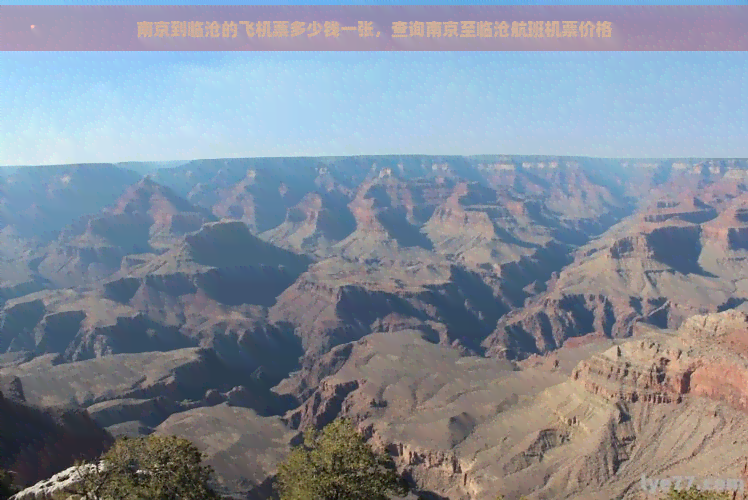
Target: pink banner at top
x,y
365,28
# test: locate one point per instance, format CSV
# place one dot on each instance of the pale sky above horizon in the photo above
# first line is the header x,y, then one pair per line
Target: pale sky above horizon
x,y
153,106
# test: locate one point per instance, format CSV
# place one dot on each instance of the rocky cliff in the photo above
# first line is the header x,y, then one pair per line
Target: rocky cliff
x,y
708,357
665,402
36,442
632,273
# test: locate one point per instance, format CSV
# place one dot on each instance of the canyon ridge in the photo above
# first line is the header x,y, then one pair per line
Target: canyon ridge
x,y
546,327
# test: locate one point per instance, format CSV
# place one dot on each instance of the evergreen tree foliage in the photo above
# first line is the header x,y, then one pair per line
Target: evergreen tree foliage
x,y
148,468
337,464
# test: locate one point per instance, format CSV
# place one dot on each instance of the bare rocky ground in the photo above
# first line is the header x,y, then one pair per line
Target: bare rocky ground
x,y
664,403
548,327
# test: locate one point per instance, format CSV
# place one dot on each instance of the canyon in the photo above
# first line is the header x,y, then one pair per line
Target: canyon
x,y
547,327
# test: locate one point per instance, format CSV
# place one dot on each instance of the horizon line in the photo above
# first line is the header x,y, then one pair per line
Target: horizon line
x,y
385,155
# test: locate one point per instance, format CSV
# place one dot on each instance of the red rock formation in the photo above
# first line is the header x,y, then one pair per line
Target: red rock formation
x,y
730,229
707,358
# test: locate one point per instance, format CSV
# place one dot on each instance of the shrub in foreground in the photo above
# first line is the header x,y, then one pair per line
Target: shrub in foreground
x,y
337,464
147,468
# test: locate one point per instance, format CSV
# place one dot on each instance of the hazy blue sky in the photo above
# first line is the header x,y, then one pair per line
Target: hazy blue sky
x,y
111,107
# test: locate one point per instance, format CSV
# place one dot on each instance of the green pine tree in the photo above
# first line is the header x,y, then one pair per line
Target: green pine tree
x,y
337,464
695,494
148,468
